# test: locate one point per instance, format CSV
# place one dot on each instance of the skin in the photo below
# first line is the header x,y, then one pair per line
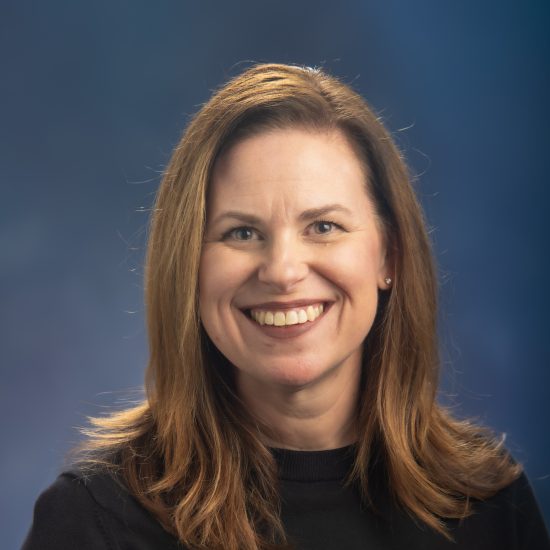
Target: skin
x,y
304,387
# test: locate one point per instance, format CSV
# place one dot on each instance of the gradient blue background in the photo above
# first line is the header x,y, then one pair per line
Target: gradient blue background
x,y
93,97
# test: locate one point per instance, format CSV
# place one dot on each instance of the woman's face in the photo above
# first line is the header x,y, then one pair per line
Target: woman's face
x,y
293,257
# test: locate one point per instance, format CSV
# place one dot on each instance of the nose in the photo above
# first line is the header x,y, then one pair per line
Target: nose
x,y
284,264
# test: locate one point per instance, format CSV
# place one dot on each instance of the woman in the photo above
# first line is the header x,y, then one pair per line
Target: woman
x,y
291,300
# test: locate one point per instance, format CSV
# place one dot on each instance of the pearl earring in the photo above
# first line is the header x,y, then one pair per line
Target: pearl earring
x,y
388,281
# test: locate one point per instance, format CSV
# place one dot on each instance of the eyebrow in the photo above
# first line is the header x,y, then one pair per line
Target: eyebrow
x,y
309,214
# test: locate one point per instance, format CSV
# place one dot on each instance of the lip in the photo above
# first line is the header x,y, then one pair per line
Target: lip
x,y
291,331
283,306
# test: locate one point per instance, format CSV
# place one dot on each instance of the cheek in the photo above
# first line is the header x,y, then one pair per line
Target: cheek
x,y
208,283
352,266
222,273
216,272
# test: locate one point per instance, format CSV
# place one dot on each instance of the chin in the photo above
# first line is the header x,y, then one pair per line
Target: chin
x,y
297,374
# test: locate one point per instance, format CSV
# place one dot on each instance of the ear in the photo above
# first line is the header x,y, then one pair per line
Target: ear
x,y
386,269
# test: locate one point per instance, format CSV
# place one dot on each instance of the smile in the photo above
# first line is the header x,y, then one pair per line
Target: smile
x,y
296,316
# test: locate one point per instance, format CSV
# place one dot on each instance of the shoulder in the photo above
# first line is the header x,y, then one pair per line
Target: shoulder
x,y
92,510
509,520
67,516
512,516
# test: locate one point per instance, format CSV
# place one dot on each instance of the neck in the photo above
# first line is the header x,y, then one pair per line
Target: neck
x,y
317,416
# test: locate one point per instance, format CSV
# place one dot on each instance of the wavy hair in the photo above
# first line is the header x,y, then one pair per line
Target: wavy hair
x,y
190,453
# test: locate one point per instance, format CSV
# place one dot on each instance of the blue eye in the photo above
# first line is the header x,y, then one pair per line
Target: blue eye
x,y
246,233
242,233
322,227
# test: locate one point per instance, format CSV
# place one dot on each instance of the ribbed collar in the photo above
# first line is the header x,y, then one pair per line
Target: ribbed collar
x,y
333,464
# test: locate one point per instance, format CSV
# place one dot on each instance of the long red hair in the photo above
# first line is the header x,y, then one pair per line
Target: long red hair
x,y
190,453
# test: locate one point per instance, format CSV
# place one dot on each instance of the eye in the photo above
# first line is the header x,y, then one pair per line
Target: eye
x,y
322,227
242,233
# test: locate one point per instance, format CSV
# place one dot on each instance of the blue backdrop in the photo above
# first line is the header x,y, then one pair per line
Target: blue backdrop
x,y
93,97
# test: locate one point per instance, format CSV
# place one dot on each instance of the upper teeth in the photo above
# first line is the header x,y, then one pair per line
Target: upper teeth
x,y
289,317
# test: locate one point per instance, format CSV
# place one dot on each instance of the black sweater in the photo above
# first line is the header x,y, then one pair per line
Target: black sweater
x,y
317,510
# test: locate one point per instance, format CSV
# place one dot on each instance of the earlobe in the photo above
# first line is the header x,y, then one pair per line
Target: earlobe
x,y
386,272
385,282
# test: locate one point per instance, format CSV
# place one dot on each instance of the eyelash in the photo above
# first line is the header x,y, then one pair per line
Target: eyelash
x,y
231,232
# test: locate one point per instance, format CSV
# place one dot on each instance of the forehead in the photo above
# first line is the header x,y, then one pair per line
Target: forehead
x,y
290,168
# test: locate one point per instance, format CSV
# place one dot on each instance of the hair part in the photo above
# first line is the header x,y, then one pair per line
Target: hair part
x,y
190,453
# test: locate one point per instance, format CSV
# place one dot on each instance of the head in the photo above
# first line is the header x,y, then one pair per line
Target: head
x,y
191,453
275,100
